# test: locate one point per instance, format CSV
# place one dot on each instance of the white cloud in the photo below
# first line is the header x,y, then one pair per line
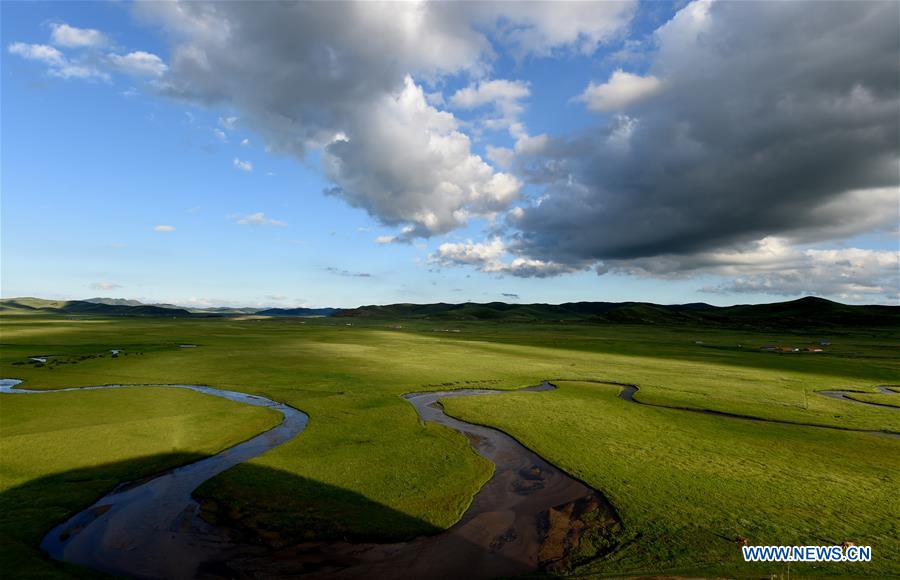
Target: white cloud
x,y
544,28
852,274
228,123
408,163
503,96
57,64
490,92
72,37
385,239
105,286
139,63
621,90
242,165
773,265
162,228
220,135
259,219
299,74
245,142
531,145
40,52
502,157
489,257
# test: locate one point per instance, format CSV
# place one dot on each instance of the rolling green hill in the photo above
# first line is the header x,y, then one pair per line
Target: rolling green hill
x,y
806,312
39,305
297,312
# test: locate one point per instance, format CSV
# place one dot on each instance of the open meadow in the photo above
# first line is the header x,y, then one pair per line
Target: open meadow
x,y
687,485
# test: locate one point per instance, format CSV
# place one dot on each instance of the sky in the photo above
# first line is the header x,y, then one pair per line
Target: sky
x,y
342,154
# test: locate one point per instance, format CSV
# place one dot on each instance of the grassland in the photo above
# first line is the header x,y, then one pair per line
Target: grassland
x,y
59,452
363,439
687,485
877,398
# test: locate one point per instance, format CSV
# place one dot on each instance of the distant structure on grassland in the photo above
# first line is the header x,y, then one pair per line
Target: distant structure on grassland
x,y
777,348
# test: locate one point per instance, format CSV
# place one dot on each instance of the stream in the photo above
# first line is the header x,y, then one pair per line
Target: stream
x,y
529,516
883,389
151,528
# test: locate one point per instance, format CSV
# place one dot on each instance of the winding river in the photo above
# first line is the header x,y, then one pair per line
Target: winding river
x,y
151,529
529,516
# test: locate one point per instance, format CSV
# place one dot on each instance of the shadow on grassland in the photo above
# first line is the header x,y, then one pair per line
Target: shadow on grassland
x,y
282,508
30,510
282,524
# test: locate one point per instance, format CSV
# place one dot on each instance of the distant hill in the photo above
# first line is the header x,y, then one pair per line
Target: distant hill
x,y
297,312
225,310
208,310
812,311
11,305
803,313
126,307
116,301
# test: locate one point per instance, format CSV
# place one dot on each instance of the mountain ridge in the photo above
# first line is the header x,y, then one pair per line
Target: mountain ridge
x,y
805,312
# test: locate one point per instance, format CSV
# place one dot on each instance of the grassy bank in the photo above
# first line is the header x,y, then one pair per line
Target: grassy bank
x,y
688,485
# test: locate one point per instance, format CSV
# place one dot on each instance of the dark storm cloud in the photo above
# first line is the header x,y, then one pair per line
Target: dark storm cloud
x,y
768,120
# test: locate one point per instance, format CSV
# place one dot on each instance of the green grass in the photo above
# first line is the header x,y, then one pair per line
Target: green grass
x,y
364,441
687,484
880,398
59,452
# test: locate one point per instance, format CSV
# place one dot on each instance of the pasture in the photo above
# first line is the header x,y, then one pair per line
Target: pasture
x,y
686,484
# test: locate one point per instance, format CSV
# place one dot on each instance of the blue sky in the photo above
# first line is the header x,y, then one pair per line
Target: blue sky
x,y
130,170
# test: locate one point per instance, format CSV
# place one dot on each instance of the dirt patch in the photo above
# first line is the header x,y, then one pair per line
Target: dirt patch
x,y
575,532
